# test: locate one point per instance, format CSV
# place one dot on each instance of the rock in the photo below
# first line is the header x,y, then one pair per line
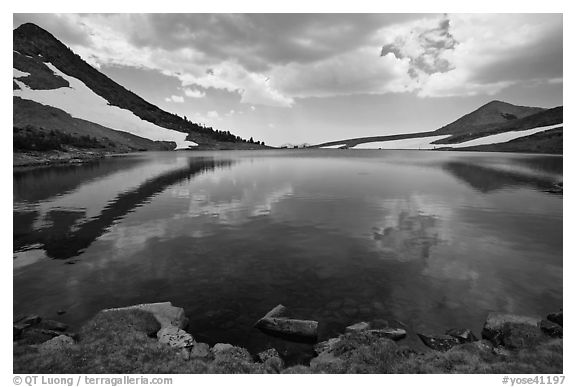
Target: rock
x,y
551,329
200,350
28,320
166,314
52,325
499,325
175,337
272,322
361,326
556,318
463,335
278,311
439,343
60,312
267,354
326,346
184,353
220,347
56,344
388,333
273,365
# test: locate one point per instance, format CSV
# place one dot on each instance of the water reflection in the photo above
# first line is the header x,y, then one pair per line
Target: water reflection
x,y
65,238
433,240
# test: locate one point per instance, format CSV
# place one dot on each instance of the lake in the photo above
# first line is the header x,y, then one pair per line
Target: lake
x,y
427,240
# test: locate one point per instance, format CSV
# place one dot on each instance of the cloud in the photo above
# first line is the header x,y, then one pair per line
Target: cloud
x,y
478,54
175,99
275,59
194,93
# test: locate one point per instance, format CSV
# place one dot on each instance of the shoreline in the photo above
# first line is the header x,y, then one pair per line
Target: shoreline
x,y
155,336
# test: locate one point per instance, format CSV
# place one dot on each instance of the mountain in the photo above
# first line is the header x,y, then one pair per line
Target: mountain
x,y
50,74
489,115
493,123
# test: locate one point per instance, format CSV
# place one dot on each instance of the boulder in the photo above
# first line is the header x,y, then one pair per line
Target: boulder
x,y
556,318
220,347
200,350
166,314
273,322
361,326
463,335
56,343
498,326
388,333
551,329
175,337
439,343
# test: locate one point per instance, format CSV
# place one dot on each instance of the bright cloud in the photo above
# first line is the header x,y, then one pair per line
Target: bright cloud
x,y
193,93
275,59
175,99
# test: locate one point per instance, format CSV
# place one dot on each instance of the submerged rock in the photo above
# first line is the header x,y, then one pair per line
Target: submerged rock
x,y
52,325
28,320
272,322
361,326
175,337
166,314
462,334
551,329
439,343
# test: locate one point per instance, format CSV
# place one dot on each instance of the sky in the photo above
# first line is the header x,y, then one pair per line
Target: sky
x,y
311,78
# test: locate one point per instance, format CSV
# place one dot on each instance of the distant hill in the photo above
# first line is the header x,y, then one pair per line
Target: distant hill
x,y
492,114
42,64
486,122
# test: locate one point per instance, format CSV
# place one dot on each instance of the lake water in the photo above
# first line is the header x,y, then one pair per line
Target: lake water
x,y
431,240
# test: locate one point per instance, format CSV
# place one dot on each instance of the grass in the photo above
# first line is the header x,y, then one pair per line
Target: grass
x,y
124,342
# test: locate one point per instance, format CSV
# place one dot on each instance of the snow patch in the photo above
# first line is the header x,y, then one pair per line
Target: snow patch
x,y
18,74
81,102
503,137
407,143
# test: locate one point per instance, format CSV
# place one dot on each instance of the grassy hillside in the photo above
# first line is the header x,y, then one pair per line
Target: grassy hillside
x,y
38,118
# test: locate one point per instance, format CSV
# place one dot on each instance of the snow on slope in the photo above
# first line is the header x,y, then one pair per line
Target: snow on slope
x,y
426,142
407,143
17,73
503,137
81,102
